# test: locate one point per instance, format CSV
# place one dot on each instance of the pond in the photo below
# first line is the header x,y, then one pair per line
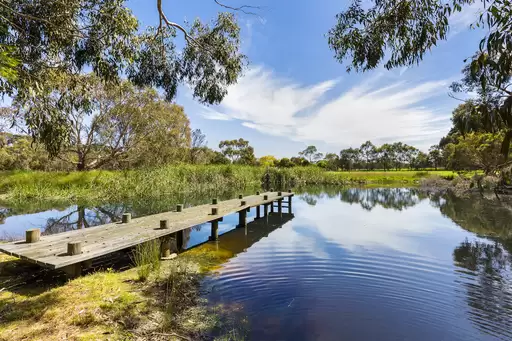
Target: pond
x,y
349,264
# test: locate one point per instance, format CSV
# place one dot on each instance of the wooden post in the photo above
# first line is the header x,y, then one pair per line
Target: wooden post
x,y
87,264
280,206
74,248
258,212
279,194
258,193
127,217
32,235
165,247
265,197
272,207
215,211
240,196
164,224
242,218
73,270
215,231
265,210
179,240
215,201
290,204
243,203
289,191
271,190
179,208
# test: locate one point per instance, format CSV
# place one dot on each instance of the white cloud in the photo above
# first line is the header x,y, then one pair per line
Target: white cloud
x,y
214,115
374,110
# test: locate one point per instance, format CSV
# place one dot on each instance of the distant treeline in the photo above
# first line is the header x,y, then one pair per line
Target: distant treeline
x,y
127,127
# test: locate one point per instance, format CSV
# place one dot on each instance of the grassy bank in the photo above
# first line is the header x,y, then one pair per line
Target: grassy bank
x,y
113,305
109,186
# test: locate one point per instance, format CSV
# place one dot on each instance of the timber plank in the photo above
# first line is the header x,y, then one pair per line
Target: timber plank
x,y
51,251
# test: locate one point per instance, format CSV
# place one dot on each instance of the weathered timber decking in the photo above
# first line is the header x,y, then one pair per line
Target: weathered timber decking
x,y
52,250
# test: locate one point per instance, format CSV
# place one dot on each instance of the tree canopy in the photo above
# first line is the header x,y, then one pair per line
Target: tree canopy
x,y
410,28
42,39
112,123
399,33
238,151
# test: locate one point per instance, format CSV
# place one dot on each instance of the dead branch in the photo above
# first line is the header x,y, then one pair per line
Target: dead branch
x,y
451,95
163,18
240,8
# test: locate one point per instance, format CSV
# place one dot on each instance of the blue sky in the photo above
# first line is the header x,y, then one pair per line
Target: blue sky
x,y
295,93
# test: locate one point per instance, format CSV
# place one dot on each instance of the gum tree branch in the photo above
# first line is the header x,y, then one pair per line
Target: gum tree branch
x,y
240,8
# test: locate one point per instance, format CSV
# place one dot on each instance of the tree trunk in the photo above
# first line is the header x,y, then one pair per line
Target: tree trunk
x,y
505,147
80,224
81,162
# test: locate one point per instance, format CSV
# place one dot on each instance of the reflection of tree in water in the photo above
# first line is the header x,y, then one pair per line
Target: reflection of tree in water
x,y
490,299
309,199
487,264
487,218
79,217
390,198
3,215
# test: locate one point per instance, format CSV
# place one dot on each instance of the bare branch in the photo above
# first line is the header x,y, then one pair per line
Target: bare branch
x,y
240,8
161,13
458,99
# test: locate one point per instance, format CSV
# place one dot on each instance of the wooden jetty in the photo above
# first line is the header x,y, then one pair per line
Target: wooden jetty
x,y
74,250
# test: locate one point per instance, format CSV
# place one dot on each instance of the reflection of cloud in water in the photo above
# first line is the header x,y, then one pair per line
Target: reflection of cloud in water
x,y
340,270
356,229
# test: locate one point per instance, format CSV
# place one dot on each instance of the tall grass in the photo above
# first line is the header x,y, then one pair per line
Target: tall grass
x,y
110,186
146,257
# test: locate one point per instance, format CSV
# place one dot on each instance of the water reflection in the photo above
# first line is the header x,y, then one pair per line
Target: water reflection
x,y
381,264
15,220
395,198
489,293
354,264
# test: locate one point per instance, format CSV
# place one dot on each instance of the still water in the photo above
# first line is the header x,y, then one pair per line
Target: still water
x,y
356,264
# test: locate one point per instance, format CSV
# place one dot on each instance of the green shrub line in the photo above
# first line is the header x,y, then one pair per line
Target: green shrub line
x,y
112,186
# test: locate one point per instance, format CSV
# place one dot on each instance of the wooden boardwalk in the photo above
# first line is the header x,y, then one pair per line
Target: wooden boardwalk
x,y
73,250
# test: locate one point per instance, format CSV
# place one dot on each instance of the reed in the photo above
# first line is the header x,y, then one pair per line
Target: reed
x,y
111,186
146,257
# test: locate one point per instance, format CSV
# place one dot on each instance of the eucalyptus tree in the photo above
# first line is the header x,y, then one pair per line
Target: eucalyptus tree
x,y
349,158
435,155
198,149
39,38
332,161
111,124
368,151
309,153
387,156
238,151
399,33
409,29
